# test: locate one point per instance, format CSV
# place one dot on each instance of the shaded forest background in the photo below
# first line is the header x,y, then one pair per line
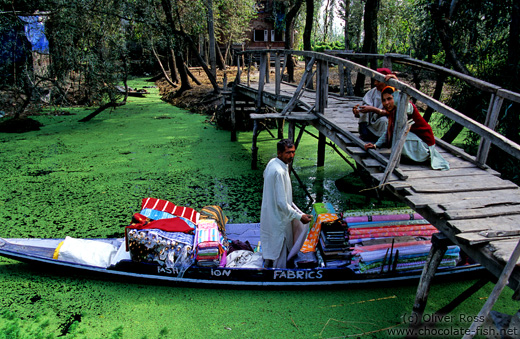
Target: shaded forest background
x,y
94,46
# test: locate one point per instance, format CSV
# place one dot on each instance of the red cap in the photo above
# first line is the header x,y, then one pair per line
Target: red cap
x,y
385,71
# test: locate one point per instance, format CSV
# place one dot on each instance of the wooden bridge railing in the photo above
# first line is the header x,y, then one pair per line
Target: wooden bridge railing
x,y
322,62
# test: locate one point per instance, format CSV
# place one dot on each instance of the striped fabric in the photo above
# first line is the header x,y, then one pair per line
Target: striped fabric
x,y
207,230
168,207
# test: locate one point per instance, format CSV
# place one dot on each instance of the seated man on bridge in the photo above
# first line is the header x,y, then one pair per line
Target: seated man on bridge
x,y
372,117
419,145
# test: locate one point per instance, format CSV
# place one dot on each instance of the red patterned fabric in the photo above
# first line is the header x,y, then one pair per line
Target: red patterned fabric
x,y
168,207
167,225
391,231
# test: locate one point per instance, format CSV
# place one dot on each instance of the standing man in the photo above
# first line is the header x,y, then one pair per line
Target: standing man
x,y
372,117
279,218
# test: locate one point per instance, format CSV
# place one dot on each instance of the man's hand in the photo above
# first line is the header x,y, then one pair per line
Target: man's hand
x,y
369,146
355,110
306,218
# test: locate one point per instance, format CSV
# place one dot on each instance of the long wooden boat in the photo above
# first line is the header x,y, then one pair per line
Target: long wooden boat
x,y
41,251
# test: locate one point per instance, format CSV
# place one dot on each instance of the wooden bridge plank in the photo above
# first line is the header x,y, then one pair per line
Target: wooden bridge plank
x,y
423,200
492,211
459,184
502,249
475,238
507,223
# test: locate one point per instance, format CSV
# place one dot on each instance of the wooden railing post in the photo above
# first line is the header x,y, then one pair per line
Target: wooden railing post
x,y
387,61
341,73
277,74
495,104
249,69
239,70
322,85
261,81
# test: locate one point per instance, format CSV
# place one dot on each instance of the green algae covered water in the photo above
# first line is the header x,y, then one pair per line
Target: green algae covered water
x,y
88,179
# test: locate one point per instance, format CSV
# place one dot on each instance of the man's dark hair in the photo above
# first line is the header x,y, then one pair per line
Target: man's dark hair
x,y
283,144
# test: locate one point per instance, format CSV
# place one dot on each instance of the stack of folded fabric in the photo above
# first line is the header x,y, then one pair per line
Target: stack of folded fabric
x,y
208,242
162,232
392,242
333,245
404,258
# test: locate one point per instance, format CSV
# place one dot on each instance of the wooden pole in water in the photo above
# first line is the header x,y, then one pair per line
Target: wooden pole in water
x,y
322,88
502,281
437,251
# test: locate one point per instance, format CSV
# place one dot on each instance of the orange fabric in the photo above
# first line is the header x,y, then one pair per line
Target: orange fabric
x,y
314,234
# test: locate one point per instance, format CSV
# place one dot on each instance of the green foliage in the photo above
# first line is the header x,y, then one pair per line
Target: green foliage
x,y
322,46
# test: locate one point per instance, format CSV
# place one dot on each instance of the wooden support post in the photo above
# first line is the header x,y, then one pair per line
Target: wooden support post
x,y
322,85
341,72
292,127
459,299
322,89
254,148
267,67
280,123
322,140
495,104
437,251
277,75
300,134
499,286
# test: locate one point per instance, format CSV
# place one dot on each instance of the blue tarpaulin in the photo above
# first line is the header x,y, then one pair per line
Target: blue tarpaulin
x,y
35,33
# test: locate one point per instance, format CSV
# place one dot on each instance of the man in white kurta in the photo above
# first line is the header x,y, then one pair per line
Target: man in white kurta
x,y
278,211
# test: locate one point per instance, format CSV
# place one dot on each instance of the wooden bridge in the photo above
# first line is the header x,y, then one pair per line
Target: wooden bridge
x,y
470,204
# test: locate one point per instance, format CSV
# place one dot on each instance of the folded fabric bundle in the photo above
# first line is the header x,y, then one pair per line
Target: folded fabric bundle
x,y
372,248
168,207
408,257
385,217
392,231
208,240
207,230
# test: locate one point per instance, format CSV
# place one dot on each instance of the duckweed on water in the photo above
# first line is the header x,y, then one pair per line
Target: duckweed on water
x,y
88,179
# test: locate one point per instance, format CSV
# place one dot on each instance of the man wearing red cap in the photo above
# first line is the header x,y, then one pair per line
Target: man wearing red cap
x,y
372,116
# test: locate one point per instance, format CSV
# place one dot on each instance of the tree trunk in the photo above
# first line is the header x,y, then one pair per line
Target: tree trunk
x,y
370,42
440,16
289,41
165,74
441,20
326,20
186,39
309,19
346,9
185,82
211,33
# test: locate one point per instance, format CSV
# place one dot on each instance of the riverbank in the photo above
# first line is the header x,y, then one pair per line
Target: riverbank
x,y
87,180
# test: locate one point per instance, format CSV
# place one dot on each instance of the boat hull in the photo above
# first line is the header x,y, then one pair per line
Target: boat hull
x,y
39,251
